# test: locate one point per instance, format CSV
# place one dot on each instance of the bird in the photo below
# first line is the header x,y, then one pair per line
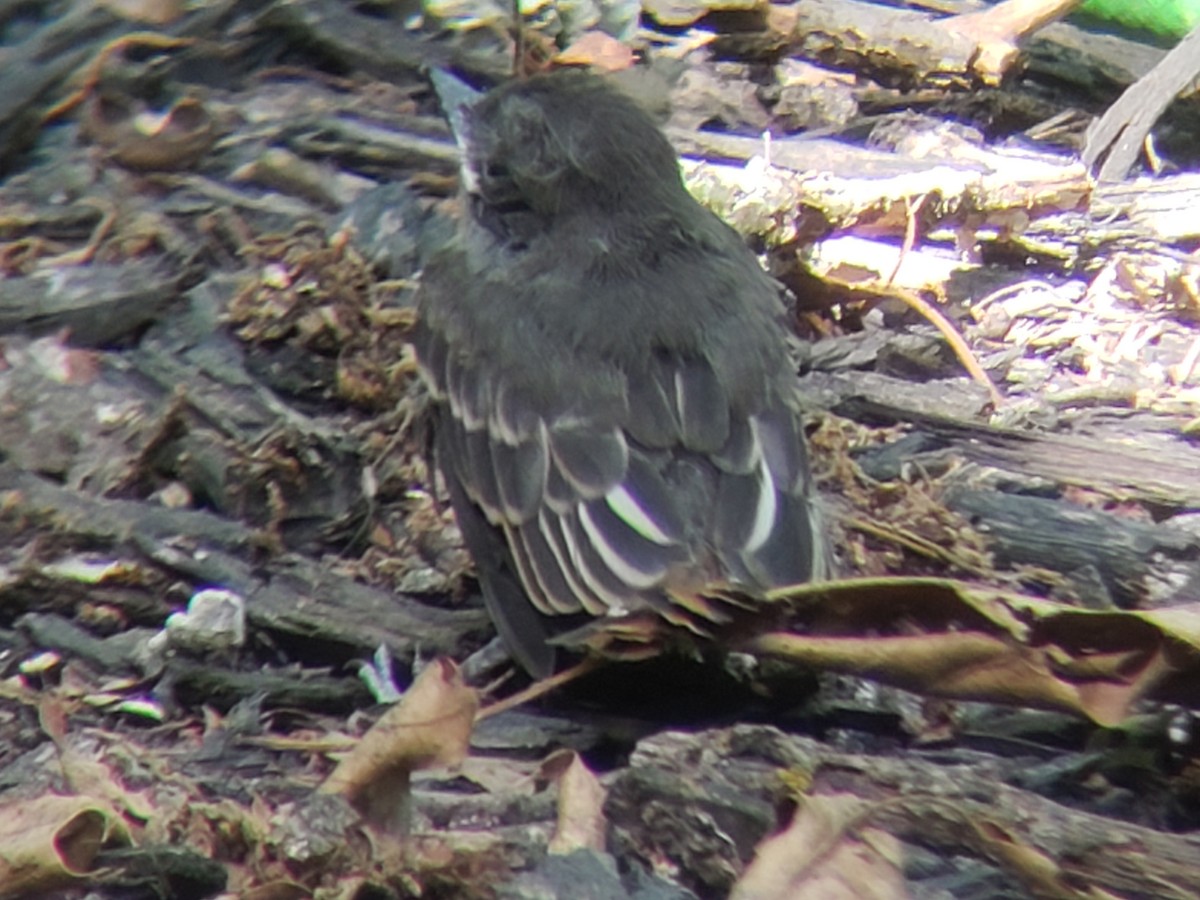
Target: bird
x,y
616,414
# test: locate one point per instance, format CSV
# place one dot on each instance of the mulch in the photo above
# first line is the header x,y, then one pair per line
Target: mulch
x,y
212,225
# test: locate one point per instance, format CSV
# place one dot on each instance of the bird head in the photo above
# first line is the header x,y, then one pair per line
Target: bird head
x,y
562,144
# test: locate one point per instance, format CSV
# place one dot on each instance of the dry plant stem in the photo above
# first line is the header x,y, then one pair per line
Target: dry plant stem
x,y
541,688
940,322
915,543
93,70
955,340
912,210
86,253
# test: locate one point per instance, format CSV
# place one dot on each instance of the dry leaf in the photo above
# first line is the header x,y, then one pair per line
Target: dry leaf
x,y
581,824
825,852
151,141
48,842
429,727
93,777
599,50
950,639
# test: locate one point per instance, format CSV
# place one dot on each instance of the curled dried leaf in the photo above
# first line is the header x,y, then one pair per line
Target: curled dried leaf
x,y
430,727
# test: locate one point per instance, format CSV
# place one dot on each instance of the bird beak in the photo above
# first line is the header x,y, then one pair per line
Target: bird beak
x,y
457,98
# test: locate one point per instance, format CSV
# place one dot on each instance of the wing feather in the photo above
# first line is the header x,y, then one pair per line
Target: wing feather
x,y
475,471
600,514
432,351
742,450
703,407
653,419
555,595
469,393
643,501
637,562
591,460
553,529
617,596
520,471
777,431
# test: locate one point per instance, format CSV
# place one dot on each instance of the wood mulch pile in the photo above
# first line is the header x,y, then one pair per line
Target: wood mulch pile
x,y
215,505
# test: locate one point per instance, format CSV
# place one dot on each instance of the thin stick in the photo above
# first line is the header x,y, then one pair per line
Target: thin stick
x,y
540,688
932,314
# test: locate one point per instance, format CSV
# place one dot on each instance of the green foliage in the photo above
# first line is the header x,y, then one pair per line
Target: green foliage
x,y
1163,19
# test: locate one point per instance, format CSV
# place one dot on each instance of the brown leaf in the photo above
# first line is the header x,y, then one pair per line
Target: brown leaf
x,y
599,50
581,824
430,727
950,639
94,777
50,841
825,852
1037,870
52,716
151,141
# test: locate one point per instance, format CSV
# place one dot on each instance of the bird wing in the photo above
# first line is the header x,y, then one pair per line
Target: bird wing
x,y
633,504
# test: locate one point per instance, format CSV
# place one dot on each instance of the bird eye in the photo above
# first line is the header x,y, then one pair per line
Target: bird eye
x,y
499,189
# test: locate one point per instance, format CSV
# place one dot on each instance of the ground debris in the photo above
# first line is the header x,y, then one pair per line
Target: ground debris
x,y
212,225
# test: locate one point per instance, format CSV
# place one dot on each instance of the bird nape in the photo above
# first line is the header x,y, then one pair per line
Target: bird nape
x,y
617,418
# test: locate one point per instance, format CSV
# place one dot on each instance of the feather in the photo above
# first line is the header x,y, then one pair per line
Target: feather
x,y
777,432
469,392
520,475
544,568
554,534
431,351
742,451
653,416
703,407
643,502
590,460
615,593
792,552
636,561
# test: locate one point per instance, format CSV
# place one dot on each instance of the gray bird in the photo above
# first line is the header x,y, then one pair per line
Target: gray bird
x,y
616,410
